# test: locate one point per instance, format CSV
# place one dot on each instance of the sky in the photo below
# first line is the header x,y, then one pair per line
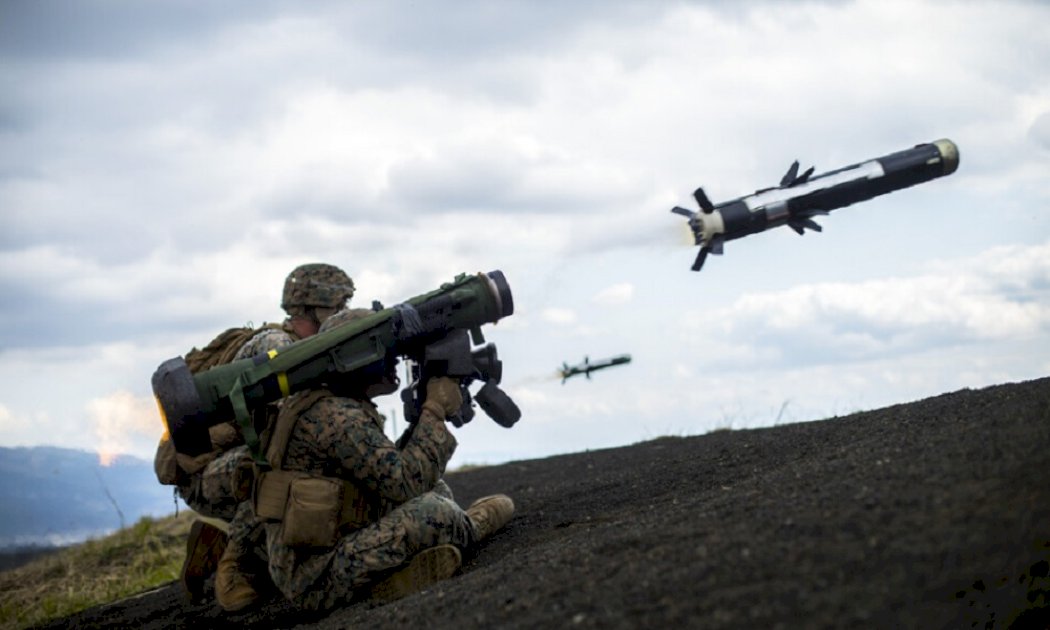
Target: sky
x,y
164,165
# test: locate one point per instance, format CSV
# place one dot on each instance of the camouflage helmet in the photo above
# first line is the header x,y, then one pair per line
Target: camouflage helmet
x,y
316,285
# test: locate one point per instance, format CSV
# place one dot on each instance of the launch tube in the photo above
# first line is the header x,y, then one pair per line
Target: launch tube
x,y
190,403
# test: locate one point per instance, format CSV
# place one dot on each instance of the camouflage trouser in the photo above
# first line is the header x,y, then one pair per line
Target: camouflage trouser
x,y
217,489
441,488
423,522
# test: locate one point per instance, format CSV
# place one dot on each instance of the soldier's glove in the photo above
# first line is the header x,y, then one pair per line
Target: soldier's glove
x,y
443,397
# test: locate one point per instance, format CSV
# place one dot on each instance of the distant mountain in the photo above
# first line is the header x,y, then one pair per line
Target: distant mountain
x,y
56,496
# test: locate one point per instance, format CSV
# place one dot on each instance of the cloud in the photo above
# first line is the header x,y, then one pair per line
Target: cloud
x,y
28,429
615,295
209,154
1003,294
1039,132
559,316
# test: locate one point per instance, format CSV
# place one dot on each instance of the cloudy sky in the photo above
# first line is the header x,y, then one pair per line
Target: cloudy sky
x,y
163,165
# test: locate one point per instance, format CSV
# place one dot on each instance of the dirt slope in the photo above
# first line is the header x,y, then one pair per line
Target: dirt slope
x,y
929,514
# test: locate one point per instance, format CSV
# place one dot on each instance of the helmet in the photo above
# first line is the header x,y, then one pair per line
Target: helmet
x,y
316,285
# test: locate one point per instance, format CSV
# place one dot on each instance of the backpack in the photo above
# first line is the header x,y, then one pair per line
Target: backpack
x,y
223,348
219,351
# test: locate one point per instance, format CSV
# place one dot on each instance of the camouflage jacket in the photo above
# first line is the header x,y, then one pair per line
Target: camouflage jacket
x,y
343,437
263,341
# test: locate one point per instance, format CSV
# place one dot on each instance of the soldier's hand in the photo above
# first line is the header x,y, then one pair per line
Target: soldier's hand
x,y
443,393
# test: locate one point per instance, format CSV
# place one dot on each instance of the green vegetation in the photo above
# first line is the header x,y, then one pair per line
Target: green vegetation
x,y
132,560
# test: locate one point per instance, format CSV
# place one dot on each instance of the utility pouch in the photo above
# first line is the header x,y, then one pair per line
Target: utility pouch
x,y
312,514
270,495
308,507
314,510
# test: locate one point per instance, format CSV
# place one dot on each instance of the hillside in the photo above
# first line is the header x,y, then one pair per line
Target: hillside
x,y
56,496
929,514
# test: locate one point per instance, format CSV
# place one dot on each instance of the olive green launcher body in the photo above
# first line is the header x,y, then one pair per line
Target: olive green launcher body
x,y
365,348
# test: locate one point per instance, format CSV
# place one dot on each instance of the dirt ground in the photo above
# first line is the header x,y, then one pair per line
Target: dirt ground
x,y
934,514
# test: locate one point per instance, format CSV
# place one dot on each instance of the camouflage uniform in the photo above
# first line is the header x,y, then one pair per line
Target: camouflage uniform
x,y
343,437
265,340
224,482
218,483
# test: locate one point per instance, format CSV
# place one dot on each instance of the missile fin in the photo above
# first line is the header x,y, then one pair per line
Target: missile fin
x,y
804,177
789,177
716,245
700,258
705,203
799,225
682,211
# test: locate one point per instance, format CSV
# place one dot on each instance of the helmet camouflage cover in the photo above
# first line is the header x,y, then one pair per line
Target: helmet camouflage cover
x,y
317,285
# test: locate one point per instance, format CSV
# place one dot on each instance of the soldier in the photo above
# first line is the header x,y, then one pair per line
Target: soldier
x,y
346,511
215,483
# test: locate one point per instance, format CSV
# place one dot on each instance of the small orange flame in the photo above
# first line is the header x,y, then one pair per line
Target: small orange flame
x,y
122,423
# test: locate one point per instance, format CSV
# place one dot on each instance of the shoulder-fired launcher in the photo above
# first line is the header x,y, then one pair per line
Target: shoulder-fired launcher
x,y
364,349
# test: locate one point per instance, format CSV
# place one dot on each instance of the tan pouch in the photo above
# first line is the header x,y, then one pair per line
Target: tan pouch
x,y
224,436
312,514
192,465
164,462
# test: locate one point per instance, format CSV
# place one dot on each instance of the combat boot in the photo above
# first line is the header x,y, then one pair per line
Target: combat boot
x,y
490,513
233,589
426,568
204,546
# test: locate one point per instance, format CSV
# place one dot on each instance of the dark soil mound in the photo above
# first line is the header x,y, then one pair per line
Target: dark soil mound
x,y
929,514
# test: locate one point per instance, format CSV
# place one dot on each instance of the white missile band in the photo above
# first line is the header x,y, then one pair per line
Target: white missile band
x,y
711,225
867,170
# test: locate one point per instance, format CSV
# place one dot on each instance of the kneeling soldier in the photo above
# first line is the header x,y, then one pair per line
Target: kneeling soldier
x,y
346,511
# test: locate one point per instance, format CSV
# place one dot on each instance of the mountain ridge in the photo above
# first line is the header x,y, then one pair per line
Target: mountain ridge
x,y
56,496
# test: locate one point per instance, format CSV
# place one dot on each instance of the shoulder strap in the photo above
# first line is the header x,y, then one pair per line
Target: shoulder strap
x,y
291,409
355,507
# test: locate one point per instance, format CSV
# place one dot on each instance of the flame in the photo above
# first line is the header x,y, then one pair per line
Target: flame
x,y
123,423
106,458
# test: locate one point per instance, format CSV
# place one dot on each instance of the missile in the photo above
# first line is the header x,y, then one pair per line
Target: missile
x,y
799,198
587,367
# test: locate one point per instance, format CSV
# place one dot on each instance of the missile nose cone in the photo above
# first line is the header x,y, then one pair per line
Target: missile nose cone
x,y
949,155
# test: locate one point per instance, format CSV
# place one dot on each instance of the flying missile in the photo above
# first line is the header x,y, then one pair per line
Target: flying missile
x,y
587,367
799,198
